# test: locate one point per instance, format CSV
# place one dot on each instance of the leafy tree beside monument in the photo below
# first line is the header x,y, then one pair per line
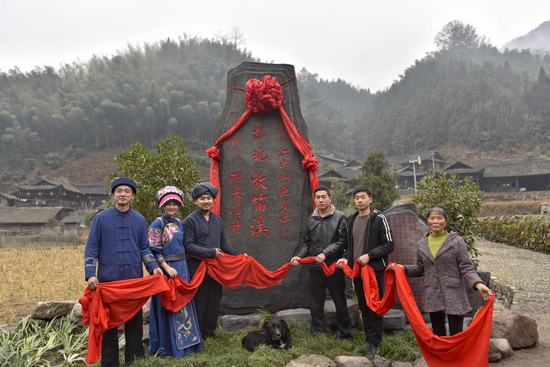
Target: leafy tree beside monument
x,y
462,204
379,179
169,166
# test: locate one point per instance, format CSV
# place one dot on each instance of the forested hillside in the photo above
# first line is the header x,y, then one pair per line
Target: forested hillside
x,y
468,94
142,94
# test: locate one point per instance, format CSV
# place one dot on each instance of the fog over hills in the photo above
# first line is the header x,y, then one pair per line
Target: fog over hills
x,y
538,40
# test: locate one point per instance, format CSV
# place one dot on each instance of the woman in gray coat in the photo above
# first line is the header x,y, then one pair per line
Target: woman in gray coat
x,y
443,260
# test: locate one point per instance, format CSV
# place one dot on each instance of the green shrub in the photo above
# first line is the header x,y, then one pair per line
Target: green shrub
x,y
462,204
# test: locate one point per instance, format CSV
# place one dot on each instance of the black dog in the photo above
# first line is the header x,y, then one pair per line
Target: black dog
x,y
274,333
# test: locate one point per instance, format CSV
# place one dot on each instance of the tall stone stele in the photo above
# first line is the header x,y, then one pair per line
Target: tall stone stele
x,y
265,192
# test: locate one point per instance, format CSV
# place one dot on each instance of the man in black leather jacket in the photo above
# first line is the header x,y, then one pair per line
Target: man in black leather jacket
x,y
369,242
325,238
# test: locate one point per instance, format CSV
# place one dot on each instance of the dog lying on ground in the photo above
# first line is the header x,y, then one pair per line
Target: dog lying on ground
x,y
274,333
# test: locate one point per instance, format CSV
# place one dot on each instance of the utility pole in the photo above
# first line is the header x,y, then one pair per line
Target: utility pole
x,y
414,173
433,160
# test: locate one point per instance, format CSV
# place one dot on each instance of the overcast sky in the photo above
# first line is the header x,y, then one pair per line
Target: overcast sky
x,y
367,43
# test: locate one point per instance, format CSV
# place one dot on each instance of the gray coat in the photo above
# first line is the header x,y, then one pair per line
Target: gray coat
x,y
445,276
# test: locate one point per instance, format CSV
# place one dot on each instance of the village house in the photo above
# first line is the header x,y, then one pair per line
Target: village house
x,y
51,193
24,221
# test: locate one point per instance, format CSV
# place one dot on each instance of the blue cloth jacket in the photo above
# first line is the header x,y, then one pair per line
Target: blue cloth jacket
x,y
202,237
117,245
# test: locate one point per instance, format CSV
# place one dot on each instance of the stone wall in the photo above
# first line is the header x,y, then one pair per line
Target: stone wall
x,y
529,232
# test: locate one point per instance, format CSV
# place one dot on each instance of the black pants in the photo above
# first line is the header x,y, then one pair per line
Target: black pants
x,y
372,322
438,323
133,332
336,285
207,302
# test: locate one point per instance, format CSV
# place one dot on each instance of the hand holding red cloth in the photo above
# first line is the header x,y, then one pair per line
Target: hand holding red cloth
x,y
113,304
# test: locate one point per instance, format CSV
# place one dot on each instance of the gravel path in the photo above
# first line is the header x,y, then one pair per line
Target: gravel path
x,y
529,273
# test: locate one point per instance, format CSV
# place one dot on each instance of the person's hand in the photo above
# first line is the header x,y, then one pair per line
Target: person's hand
x,y
392,266
219,252
171,271
92,283
340,263
363,259
484,291
157,271
294,261
320,258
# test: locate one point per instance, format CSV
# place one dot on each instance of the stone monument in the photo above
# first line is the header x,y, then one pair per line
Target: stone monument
x,y
266,193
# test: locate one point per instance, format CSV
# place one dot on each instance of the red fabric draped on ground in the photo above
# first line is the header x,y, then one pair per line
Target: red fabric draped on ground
x,y
466,349
114,303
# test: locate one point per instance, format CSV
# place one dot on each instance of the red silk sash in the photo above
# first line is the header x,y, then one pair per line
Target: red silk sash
x,y
114,303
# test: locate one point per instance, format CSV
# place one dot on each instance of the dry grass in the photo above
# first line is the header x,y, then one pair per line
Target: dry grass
x,y
30,275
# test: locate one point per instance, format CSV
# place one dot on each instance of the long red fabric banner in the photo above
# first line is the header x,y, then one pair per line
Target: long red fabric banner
x,y
114,303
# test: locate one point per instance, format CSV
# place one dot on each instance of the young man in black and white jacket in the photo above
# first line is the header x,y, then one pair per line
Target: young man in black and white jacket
x,y
369,242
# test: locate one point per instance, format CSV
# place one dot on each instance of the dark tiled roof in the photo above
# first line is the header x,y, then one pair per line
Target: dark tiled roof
x,y
345,174
528,168
93,189
7,196
27,215
77,218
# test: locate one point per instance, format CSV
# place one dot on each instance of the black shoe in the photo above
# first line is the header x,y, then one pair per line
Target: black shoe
x,y
371,351
349,338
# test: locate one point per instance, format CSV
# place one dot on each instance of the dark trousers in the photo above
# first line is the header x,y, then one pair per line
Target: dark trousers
x,y
438,323
336,285
372,322
133,332
207,302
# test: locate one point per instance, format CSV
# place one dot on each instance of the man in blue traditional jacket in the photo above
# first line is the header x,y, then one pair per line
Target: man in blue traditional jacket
x,y
117,245
205,238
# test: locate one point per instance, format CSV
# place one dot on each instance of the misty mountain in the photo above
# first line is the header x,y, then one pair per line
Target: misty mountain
x,y
537,40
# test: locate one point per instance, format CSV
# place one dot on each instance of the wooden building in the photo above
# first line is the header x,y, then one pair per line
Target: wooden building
x,y
29,220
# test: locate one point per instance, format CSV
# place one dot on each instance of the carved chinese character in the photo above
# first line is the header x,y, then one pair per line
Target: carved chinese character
x,y
259,155
235,211
236,176
258,132
283,177
236,226
283,153
236,194
284,163
258,180
259,201
285,218
284,192
258,228
235,142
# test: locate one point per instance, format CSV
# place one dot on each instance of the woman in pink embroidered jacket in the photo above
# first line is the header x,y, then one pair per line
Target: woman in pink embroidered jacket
x,y
444,262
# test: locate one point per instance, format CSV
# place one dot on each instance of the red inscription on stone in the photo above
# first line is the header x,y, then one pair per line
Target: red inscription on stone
x,y
259,201
235,211
281,126
258,228
283,153
285,218
284,163
236,226
284,191
283,177
258,180
236,176
235,142
236,195
283,205
259,155
283,138
258,132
